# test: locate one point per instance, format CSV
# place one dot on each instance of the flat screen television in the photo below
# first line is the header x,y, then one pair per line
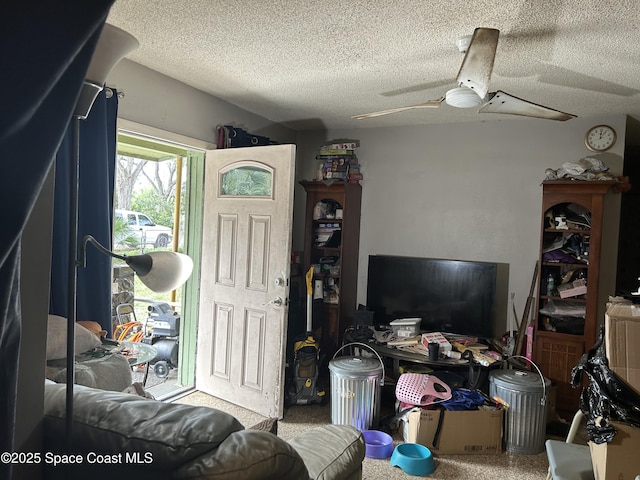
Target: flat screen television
x,y
454,296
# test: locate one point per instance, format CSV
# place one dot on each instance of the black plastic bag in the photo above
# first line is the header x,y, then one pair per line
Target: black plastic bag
x,y
606,397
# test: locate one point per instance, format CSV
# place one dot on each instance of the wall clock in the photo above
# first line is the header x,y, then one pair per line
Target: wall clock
x,y
600,138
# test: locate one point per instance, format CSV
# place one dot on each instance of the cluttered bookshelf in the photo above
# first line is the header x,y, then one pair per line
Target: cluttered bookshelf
x,y
332,237
570,289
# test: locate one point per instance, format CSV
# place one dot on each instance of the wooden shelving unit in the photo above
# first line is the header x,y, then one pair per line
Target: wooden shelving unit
x,y
560,339
338,260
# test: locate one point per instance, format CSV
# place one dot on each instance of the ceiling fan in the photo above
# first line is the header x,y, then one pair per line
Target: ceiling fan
x,y
473,85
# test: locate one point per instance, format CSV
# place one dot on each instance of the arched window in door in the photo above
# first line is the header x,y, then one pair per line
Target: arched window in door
x,y
246,179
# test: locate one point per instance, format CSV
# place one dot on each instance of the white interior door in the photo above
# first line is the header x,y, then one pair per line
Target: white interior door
x,y
246,251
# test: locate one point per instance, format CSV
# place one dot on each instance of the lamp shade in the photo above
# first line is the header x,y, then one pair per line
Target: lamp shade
x,y
113,45
161,271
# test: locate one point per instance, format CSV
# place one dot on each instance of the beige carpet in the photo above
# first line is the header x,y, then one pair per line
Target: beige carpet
x,y
299,418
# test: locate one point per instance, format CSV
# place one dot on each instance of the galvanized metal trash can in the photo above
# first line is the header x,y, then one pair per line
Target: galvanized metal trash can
x,y
526,418
355,389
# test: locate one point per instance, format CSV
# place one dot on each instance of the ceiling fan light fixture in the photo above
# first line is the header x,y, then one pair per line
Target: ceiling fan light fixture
x,y
463,97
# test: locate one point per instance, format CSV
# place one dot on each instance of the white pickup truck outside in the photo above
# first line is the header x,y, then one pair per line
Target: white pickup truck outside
x,y
144,229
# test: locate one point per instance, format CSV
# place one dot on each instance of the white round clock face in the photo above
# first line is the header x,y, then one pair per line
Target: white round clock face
x,y
600,138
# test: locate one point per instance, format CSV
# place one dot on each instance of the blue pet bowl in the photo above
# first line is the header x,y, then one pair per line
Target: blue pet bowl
x,y
413,459
379,444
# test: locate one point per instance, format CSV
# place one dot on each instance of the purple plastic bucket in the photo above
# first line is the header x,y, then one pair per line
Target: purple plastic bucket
x,y
379,444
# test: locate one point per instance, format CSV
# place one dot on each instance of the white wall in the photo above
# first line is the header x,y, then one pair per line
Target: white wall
x,y
469,192
158,101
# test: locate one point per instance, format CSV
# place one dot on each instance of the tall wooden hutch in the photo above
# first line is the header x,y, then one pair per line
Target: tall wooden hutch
x,y
567,319
332,238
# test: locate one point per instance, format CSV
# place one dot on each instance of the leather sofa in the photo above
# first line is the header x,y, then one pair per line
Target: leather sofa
x,y
121,435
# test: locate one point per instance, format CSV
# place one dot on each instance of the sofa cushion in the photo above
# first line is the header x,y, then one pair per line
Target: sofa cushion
x,y
248,455
113,422
338,457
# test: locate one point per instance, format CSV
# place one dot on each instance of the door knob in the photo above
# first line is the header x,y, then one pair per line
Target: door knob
x,y
277,301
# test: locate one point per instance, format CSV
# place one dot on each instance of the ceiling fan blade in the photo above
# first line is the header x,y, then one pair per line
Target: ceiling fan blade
x,y
476,68
502,102
429,104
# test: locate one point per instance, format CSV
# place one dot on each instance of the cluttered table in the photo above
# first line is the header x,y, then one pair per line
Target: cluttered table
x,y
107,367
136,353
414,349
397,355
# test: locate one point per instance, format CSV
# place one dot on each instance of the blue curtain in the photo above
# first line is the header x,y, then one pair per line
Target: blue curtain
x,y
45,50
95,205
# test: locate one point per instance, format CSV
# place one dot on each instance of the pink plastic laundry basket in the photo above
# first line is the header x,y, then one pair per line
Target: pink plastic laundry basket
x,y
421,389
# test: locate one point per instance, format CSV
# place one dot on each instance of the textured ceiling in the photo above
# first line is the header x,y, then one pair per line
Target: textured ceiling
x,y
315,63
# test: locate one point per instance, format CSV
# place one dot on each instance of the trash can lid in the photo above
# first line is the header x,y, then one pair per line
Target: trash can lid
x,y
523,380
355,366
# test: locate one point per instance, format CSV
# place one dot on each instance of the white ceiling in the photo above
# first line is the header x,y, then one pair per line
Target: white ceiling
x,y
314,63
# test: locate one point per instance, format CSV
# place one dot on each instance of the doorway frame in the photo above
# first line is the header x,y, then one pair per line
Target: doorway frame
x,y
192,246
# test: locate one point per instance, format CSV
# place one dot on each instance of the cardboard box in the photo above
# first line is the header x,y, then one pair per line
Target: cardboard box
x,y
618,459
436,337
462,432
622,337
573,289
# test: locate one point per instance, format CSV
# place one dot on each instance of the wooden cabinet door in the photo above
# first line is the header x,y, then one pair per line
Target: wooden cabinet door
x,y
556,358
